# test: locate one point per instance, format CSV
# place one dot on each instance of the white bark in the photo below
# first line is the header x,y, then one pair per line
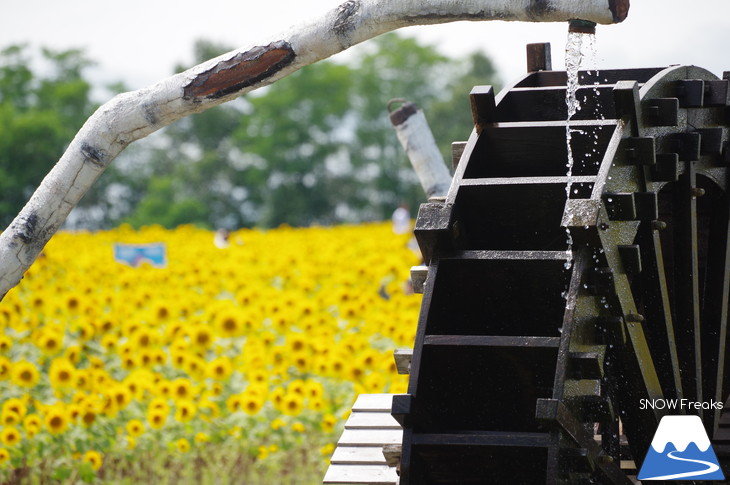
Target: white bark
x,y
416,138
131,116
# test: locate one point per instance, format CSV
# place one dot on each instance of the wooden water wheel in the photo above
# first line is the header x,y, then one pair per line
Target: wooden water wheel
x,y
536,362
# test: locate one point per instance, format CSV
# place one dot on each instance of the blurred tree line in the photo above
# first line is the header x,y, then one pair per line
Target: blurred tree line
x,y
316,147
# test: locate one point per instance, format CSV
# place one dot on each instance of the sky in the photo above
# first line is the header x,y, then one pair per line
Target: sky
x,y
140,41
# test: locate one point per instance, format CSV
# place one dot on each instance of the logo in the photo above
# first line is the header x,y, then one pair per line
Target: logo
x,y
681,450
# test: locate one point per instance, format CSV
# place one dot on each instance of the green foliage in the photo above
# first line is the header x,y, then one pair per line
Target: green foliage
x,y
450,117
38,117
167,206
316,147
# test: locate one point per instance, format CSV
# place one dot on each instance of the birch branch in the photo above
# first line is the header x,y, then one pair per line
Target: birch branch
x,y
132,116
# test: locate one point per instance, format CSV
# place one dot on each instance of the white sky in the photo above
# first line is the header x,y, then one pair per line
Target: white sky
x,y
139,41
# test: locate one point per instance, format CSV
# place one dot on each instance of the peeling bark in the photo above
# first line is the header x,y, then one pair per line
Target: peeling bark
x,y
619,9
241,71
345,17
131,116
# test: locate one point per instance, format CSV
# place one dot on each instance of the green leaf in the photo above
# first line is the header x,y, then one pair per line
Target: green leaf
x,y
62,473
87,473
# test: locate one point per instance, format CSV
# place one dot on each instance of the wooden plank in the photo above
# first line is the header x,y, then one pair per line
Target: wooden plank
x,y
506,255
358,458
373,402
392,454
368,437
370,420
485,438
583,179
360,474
492,341
403,359
457,150
418,278
539,57
358,455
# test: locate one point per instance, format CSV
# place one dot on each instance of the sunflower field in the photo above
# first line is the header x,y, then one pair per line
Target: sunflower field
x,y
228,365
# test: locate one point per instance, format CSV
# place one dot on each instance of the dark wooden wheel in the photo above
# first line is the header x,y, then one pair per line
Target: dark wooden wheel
x,y
537,361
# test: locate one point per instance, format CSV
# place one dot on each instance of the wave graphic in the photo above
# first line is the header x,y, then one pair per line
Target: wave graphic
x,y
711,467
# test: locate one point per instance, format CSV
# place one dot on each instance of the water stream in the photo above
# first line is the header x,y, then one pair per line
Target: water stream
x,y
575,47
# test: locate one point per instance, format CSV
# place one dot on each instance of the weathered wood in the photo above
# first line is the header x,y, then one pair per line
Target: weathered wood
x,y
539,57
418,278
492,341
416,138
484,438
368,437
360,474
364,420
392,454
457,149
373,402
483,106
403,359
358,455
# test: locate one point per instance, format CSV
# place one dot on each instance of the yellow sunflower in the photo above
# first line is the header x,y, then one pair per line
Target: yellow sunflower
x,y
62,373
135,427
9,418
122,396
156,418
94,458
50,342
251,403
10,436
201,336
88,416
32,421
73,354
5,368
4,456
181,389
328,423
5,343
220,369
195,367
228,324
56,419
184,410
277,423
24,374
292,404
16,405
182,445
159,403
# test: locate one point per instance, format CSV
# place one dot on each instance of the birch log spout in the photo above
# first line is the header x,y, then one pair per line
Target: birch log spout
x,y
131,116
416,138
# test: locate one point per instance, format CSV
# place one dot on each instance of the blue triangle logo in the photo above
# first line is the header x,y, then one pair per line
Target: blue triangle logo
x,y
681,450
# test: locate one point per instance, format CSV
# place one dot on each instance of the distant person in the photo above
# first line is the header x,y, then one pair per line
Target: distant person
x,y
220,239
401,220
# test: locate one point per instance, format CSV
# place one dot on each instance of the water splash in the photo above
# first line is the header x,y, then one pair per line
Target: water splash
x,y
574,55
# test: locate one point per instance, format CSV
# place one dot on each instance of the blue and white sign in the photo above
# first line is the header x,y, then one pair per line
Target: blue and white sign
x,y
681,450
134,255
